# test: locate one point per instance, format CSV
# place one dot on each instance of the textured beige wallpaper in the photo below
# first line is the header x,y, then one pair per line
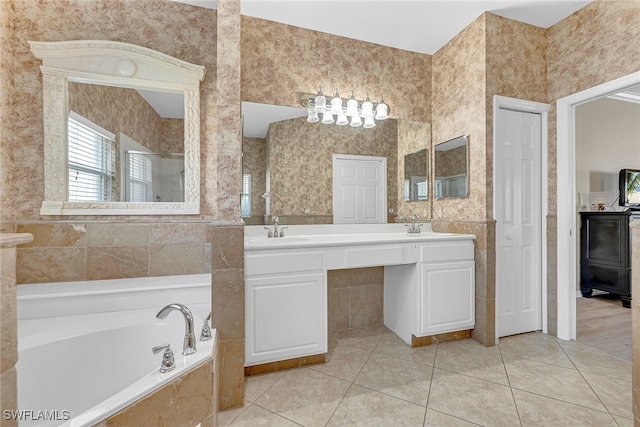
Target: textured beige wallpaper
x,y
183,31
459,107
595,45
301,159
280,61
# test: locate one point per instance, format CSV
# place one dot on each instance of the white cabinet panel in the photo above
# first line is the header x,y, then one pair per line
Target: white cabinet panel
x,y
286,317
447,297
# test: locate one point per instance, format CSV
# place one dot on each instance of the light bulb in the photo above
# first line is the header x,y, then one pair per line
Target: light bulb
x,y
336,103
382,111
312,115
352,105
369,123
320,101
367,108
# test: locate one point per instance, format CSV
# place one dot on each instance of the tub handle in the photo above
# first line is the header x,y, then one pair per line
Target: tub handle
x,y
168,361
205,335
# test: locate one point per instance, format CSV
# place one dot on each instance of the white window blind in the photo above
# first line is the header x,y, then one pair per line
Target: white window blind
x,y
245,200
91,160
140,177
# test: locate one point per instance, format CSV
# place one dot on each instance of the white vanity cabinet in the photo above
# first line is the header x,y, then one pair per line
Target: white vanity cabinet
x,y
286,305
429,286
436,297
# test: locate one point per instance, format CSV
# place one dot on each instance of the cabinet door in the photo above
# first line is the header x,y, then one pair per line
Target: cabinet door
x,y
286,317
447,297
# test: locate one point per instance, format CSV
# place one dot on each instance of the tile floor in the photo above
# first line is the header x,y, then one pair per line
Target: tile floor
x,y
372,378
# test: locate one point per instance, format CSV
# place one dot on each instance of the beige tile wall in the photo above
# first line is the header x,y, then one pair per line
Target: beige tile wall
x,y
185,401
91,250
355,297
228,258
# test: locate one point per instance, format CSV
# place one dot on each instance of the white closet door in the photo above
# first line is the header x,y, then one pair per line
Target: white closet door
x,y
518,222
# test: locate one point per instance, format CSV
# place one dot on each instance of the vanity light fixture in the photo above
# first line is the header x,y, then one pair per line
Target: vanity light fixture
x,y
346,111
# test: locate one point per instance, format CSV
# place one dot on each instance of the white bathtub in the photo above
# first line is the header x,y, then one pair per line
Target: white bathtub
x,y
88,366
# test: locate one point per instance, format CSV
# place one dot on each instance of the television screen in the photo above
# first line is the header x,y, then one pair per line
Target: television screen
x,y
630,188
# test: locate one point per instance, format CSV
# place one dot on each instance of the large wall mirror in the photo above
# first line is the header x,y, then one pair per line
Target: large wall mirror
x,y
451,164
288,163
121,128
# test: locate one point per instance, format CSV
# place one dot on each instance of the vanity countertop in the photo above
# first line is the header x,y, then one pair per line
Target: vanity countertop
x,y
295,240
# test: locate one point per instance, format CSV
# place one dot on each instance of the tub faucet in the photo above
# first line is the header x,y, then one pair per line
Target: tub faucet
x,y
189,346
168,361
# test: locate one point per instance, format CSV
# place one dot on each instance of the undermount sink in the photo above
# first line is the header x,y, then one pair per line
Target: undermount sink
x,y
278,240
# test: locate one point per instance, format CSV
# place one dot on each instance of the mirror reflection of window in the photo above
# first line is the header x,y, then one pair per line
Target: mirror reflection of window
x,y
139,177
245,201
91,161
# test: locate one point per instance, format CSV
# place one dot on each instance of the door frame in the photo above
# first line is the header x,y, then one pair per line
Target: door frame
x,y
383,165
566,197
522,105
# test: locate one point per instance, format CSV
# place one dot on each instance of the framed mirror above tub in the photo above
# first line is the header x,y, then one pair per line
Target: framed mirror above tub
x,y
121,130
451,164
288,163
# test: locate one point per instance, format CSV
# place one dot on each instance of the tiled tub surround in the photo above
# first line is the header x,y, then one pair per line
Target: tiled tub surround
x,y
8,319
293,273
82,327
98,250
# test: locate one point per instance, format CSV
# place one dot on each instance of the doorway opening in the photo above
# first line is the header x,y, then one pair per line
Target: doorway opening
x,y
567,194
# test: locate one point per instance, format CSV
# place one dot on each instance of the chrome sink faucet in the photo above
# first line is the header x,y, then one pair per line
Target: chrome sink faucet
x,y
273,232
189,345
414,228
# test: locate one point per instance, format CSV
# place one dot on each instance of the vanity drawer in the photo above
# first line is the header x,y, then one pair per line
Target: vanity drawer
x,y
282,262
447,251
370,256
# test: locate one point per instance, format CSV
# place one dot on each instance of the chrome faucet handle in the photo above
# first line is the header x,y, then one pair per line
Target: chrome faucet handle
x,y
282,231
168,361
270,233
417,228
205,335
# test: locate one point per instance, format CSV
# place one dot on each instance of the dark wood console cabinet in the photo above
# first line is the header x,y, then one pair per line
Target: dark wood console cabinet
x,y
605,254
